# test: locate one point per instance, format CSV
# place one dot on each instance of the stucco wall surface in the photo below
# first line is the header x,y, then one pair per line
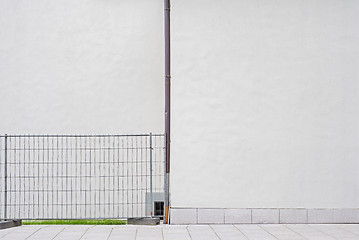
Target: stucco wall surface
x,y
83,66
265,104
265,93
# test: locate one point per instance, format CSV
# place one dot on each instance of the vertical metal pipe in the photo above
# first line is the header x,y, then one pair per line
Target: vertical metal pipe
x,y
151,190
167,9
166,188
167,14
5,175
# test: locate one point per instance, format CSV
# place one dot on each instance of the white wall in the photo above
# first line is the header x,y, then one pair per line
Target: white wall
x,y
84,66
265,93
265,103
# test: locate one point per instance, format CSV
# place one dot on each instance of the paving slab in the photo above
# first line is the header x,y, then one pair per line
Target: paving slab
x,y
73,232
149,233
335,232
352,228
228,232
255,232
4,232
47,232
21,232
281,232
123,232
97,232
309,232
177,232
201,232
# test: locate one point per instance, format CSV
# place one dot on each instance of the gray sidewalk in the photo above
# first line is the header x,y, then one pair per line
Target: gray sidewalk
x,y
178,232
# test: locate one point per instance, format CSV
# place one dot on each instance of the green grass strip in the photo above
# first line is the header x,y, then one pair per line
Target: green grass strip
x,y
75,222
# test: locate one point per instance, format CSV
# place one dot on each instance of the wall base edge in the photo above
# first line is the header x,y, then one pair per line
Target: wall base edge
x,y
263,215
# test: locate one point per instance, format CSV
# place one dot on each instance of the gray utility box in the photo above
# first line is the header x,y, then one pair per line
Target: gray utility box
x,y
155,204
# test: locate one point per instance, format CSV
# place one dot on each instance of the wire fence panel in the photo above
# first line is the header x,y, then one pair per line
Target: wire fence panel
x,y
81,176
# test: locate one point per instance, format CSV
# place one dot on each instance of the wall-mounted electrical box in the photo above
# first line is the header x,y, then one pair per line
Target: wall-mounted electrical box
x,y
155,204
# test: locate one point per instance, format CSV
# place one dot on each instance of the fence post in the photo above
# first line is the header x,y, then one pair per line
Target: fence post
x,y
5,178
151,192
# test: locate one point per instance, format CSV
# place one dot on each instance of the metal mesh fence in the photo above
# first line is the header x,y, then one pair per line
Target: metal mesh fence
x,y
80,176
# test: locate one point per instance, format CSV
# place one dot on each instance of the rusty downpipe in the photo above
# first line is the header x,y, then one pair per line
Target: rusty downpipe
x,y
167,33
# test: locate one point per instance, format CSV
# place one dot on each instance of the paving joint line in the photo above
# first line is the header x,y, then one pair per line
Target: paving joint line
x,y
240,231
12,230
290,229
356,234
188,232
267,231
322,231
109,234
136,233
214,231
58,233
86,232
33,233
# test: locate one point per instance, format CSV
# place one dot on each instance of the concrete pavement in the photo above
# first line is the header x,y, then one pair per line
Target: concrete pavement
x,y
184,232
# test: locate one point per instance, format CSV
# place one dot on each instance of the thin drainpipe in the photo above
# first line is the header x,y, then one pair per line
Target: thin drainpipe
x,y
167,13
